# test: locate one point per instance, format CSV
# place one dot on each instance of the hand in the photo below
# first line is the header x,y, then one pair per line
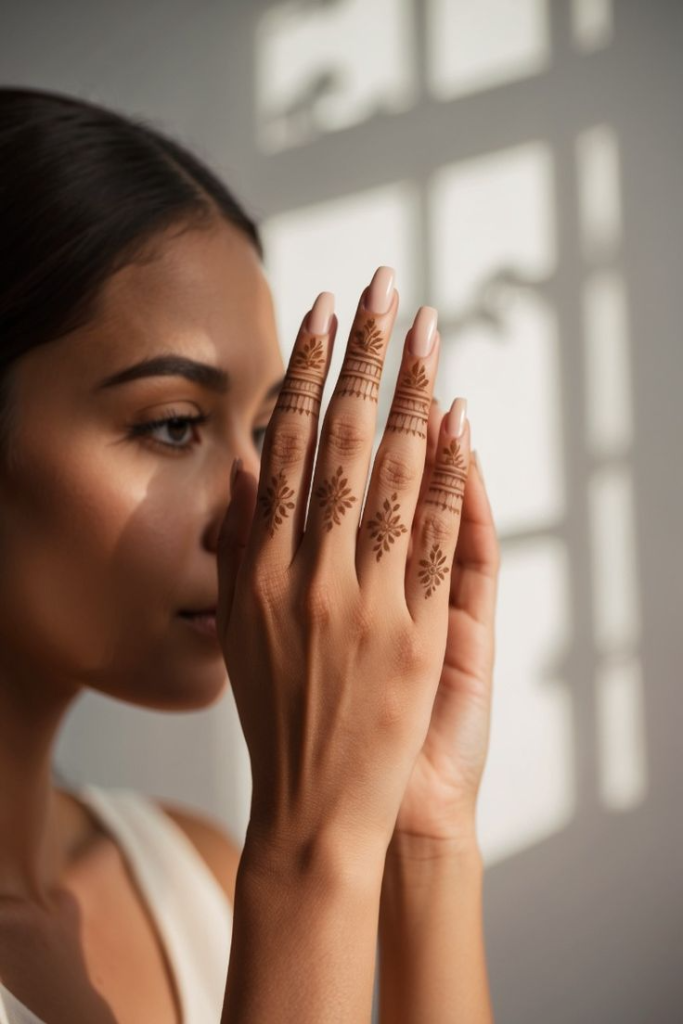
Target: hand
x,y
333,637
440,799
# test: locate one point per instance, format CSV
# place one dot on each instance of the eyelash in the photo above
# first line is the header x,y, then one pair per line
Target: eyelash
x,y
145,430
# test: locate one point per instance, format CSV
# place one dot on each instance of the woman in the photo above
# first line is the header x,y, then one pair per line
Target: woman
x,y
138,362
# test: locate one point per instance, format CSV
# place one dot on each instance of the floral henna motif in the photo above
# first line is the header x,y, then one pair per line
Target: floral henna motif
x,y
302,388
447,485
385,527
434,570
335,497
275,502
362,369
410,407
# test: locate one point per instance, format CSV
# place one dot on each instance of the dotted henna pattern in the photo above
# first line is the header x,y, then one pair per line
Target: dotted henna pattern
x,y
362,369
434,571
386,527
275,502
335,497
302,388
449,475
410,407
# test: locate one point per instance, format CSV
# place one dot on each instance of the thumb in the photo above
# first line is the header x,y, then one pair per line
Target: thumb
x,y
233,538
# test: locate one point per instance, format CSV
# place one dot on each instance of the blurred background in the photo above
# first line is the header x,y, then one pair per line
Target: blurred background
x,y
519,162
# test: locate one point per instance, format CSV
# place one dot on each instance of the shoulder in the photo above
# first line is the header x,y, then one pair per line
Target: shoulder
x,y
220,851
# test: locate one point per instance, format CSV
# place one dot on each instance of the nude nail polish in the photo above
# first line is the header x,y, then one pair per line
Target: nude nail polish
x,y
455,421
320,316
381,291
423,331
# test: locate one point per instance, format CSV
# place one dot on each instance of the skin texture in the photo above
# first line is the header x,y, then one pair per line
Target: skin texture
x,y
105,537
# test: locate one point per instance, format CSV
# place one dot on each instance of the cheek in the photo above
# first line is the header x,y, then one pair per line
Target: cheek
x,y
89,573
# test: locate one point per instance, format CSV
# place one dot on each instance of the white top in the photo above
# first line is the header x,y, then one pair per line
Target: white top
x,y
190,909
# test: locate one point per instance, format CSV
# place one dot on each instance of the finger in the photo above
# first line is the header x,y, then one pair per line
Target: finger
x,y
232,541
382,545
348,430
289,442
477,554
437,520
433,427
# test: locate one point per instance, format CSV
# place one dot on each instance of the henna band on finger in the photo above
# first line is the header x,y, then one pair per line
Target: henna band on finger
x,y
410,407
447,483
362,369
302,387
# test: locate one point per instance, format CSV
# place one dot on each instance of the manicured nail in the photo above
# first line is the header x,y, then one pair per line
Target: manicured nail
x,y
236,467
423,331
320,316
381,290
455,421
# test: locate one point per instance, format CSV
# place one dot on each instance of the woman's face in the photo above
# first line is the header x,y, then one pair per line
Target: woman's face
x,y
105,535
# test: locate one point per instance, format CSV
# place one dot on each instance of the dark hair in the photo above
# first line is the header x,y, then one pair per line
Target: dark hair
x,y
83,190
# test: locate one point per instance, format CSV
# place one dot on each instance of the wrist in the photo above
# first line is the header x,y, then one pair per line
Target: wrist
x,y
326,860
462,845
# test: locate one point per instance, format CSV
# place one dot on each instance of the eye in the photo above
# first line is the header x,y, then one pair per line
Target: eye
x,y
172,422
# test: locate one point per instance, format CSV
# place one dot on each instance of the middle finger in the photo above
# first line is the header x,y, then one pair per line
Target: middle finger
x,y
348,429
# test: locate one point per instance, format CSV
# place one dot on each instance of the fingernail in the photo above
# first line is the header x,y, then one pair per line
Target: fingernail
x,y
320,316
455,421
423,331
381,290
477,459
236,467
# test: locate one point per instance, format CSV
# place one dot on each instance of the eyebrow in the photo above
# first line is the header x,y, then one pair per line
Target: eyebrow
x,y
205,374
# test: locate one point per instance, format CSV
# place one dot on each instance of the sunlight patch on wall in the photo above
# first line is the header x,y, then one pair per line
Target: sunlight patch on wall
x,y
609,412
620,703
321,68
493,253
490,215
512,386
528,790
477,44
613,545
592,24
597,160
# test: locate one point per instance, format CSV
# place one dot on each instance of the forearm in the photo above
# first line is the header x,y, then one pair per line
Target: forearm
x,y
303,945
432,960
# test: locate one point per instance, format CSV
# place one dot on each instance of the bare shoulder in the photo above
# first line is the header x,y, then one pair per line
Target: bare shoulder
x,y
212,841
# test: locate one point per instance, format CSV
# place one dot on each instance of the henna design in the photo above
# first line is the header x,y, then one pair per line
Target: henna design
x,y
410,407
434,571
302,388
335,498
362,369
385,527
448,479
275,502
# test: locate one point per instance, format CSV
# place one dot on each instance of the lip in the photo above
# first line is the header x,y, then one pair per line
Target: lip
x,y
201,622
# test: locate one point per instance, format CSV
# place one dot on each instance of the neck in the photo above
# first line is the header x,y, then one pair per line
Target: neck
x,y
32,848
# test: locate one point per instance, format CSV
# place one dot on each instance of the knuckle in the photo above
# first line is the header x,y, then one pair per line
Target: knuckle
x,y
317,603
362,622
409,649
268,587
288,444
393,471
344,436
436,527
